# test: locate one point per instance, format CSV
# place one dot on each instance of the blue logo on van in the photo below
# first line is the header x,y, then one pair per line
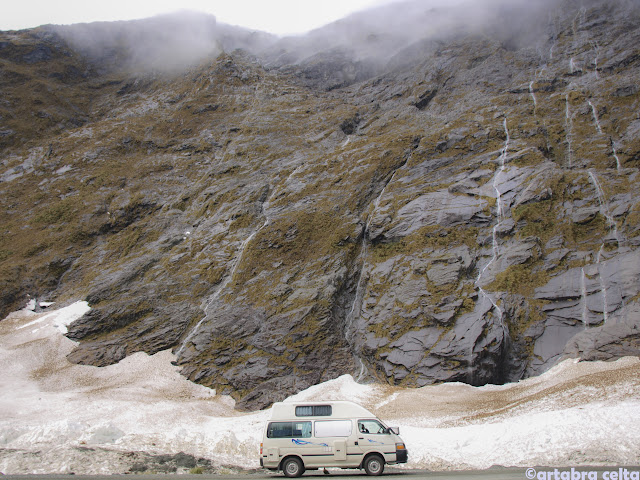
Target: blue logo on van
x,y
304,442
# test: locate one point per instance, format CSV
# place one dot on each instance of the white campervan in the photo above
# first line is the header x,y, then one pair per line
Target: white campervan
x,y
312,435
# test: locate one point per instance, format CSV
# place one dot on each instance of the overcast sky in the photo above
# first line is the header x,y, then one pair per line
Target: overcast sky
x,y
274,16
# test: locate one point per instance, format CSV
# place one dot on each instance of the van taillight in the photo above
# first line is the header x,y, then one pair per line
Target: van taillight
x,y
260,449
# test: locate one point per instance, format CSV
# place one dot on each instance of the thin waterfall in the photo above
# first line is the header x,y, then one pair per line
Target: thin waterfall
x,y
357,300
603,206
583,290
499,218
615,154
234,268
215,296
569,127
603,287
364,248
614,229
533,95
596,47
236,263
596,120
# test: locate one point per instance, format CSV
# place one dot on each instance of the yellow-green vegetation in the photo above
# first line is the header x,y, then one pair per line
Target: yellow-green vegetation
x,y
61,212
633,218
545,219
540,217
523,317
133,238
426,238
297,239
519,279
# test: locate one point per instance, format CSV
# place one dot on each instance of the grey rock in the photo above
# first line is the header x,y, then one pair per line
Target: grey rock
x,y
438,208
584,302
511,253
555,257
612,340
466,186
585,215
443,273
533,193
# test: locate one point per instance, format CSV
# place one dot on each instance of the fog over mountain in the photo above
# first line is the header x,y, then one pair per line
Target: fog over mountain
x,y
182,39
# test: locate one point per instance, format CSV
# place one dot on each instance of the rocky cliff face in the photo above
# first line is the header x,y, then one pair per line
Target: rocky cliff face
x,y
462,209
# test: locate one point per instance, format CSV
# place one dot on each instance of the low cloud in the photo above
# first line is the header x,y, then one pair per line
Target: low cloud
x,y
375,36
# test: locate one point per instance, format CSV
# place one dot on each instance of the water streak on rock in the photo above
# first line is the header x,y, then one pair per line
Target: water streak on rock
x,y
569,127
533,95
583,289
615,154
613,227
595,117
500,217
603,287
357,300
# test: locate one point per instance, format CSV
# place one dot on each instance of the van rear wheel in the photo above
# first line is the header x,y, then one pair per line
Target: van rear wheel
x,y
374,465
292,467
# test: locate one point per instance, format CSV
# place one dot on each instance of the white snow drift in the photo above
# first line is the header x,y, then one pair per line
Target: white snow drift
x,y
56,417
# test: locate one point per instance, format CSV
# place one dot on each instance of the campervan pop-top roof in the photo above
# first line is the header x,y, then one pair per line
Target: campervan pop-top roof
x,y
339,409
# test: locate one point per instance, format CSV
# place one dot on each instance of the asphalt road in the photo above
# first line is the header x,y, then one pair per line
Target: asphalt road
x,y
537,473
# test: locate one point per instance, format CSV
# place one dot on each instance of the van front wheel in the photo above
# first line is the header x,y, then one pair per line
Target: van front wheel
x,y
374,465
292,467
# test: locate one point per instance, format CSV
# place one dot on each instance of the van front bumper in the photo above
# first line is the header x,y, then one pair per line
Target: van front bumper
x,y
402,456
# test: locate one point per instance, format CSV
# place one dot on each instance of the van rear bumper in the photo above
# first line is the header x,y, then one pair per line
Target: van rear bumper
x,y
272,466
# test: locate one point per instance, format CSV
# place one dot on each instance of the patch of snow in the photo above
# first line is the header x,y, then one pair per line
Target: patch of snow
x,y
57,417
59,319
63,170
341,388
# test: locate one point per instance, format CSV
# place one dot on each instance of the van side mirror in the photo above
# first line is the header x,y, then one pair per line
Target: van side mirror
x,y
394,430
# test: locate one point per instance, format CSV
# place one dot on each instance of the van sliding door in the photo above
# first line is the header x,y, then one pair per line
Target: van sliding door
x,y
335,434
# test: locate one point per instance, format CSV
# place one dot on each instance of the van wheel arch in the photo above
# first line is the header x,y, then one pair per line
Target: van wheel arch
x,y
292,466
373,464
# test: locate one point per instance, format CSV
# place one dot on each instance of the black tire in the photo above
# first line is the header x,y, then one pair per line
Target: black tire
x,y
292,467
374,465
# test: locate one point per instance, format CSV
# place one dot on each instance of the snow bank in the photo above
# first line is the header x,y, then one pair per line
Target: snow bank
x,y
56,417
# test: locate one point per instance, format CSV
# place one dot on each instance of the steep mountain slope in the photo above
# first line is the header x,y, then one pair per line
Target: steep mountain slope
x,y
461,208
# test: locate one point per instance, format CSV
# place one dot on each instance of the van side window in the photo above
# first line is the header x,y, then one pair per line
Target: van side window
x,y
289,430
371,426
332,428
313,411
